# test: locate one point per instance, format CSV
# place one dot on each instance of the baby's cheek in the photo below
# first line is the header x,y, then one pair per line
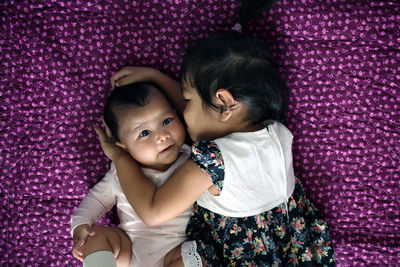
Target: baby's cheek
x,y
143,153
182,132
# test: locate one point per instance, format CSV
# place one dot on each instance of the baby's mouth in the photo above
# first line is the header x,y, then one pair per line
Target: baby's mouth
x,y
168,148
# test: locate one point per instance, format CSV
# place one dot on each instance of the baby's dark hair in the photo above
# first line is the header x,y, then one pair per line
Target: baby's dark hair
x,y
134,94
241,64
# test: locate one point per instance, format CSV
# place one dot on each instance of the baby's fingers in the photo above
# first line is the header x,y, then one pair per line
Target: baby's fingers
x,y
77,256
91,232
77,249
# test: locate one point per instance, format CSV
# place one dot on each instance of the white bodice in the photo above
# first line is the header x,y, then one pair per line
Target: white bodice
x,y
258,172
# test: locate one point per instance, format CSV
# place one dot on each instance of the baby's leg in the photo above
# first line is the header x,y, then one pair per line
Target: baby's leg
x,y
106,240
174,258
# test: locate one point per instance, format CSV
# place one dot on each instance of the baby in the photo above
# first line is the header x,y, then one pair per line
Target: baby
x,y
144,124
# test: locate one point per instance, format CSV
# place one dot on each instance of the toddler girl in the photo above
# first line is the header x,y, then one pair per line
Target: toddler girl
x,y
250,208
146,126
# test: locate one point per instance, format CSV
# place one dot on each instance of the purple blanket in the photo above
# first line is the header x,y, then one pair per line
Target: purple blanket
x,y
341,60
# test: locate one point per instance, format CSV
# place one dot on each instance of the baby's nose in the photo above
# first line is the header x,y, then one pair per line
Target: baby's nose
x,y
163,136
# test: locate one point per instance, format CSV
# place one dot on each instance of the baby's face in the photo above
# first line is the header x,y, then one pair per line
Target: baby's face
x,y
152,134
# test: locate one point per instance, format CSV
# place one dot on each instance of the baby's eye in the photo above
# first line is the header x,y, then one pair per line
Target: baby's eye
x,y
186,100
166,121
144,133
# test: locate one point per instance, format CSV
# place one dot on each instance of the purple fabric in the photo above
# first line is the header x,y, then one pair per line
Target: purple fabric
x,y
341,60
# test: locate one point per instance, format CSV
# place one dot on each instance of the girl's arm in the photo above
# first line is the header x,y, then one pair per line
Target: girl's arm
x,y
170,86
155,205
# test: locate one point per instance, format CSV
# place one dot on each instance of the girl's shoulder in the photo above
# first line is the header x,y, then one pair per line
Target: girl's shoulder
x,y
207,156
204,145
205,151
237,143
279,129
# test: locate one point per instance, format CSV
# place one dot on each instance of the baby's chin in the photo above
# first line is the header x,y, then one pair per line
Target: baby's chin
x,y
160,166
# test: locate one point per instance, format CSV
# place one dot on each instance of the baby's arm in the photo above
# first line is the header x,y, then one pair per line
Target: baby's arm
x,y
155,206
170,86
96,203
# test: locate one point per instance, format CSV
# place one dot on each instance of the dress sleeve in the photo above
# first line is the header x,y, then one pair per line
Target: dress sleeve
x,y
208,157
100,199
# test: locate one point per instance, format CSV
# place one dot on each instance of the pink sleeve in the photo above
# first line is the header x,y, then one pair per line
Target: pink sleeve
x,y
97,202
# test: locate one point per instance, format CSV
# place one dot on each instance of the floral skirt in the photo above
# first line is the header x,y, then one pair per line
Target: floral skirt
x,y
296,237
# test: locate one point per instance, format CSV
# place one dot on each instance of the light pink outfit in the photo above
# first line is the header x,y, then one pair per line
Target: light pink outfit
x,y
149,244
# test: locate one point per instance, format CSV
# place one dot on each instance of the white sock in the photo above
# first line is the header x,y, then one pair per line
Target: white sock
x,y
100,259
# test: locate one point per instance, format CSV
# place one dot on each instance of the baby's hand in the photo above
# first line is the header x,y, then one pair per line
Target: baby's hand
x,y
80,236
131,74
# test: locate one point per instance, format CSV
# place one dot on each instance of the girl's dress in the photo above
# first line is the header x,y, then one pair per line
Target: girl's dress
x,y
261,216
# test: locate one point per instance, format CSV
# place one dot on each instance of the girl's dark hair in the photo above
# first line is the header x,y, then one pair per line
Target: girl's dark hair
x,y
241,64
251,9
134,94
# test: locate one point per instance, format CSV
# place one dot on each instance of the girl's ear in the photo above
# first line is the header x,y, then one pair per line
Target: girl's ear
x,y
226,103
121,145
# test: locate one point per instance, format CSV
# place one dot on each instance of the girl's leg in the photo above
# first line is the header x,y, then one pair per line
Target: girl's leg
x,y
109,239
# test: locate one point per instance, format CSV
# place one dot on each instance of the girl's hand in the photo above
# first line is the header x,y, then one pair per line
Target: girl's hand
x,y
171,87
131,74
108,145
80,236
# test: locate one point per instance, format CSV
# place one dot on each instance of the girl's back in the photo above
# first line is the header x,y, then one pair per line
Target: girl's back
x,y
255,167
